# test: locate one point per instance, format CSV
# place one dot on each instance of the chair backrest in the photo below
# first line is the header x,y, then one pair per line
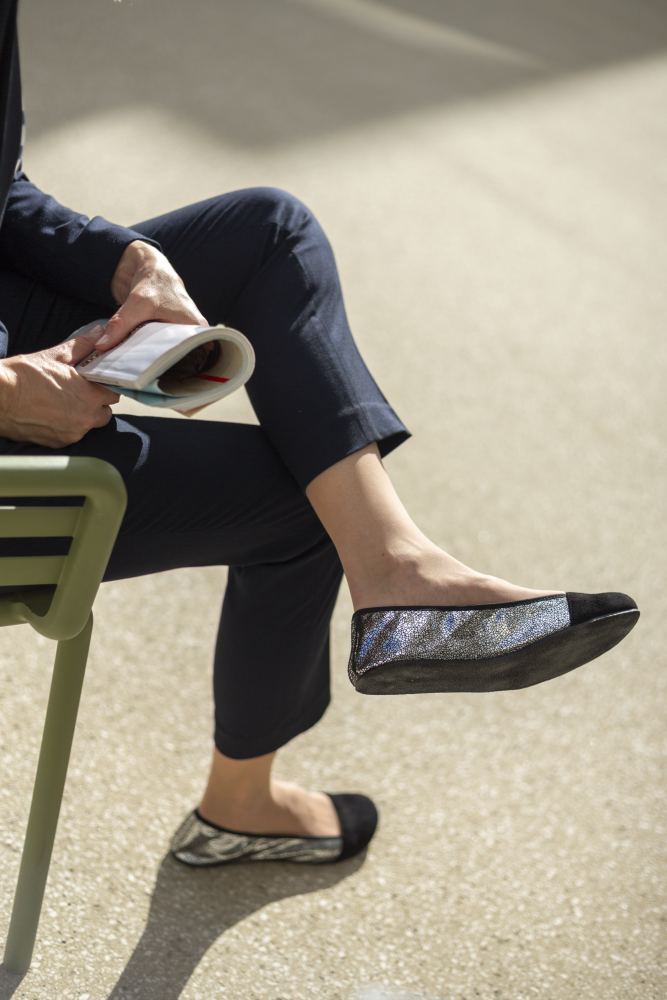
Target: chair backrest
x,y
55,593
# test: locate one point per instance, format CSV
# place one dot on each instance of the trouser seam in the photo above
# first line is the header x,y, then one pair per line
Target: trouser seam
x,y
312,284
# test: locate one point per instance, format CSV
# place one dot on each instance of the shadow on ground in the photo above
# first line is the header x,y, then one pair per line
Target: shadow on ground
x,y
261,74
191,909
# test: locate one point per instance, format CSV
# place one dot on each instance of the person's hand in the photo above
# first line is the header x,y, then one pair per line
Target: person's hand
x,y
147,288
43,398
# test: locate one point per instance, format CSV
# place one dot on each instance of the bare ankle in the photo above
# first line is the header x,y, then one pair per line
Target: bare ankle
x,y
402,555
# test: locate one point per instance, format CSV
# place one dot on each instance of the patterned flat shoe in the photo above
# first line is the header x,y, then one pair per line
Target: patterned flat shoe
x,y
200,843
491,647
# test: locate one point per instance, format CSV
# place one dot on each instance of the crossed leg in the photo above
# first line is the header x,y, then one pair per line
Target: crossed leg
x,y
288,506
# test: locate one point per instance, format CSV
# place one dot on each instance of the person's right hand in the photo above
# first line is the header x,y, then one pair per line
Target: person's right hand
x,y
43,399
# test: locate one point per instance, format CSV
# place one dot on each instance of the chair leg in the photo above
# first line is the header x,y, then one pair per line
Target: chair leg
x,y
61,712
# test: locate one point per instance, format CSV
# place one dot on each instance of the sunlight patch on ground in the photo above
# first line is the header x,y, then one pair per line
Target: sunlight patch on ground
x,y
416,30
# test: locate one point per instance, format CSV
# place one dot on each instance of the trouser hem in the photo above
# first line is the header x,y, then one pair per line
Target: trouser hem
x,y
243,747
352,429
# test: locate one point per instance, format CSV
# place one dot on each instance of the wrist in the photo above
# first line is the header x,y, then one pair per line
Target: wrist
x,y
136,257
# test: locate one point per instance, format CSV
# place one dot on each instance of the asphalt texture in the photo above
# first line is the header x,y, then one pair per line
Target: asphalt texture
x,y
492,179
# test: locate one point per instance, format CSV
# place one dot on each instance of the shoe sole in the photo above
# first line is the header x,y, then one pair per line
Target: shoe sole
x,y
246,858
550,657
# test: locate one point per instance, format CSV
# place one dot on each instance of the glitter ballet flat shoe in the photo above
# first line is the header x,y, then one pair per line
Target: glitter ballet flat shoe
x,y
485,647
200,843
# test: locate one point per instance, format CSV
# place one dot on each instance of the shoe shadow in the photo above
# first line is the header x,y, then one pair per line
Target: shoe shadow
x,y
191,907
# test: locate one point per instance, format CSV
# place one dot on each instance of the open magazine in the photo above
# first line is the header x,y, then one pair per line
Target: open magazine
x,y
178,365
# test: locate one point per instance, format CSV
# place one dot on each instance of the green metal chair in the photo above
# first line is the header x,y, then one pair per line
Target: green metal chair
x,y
54,594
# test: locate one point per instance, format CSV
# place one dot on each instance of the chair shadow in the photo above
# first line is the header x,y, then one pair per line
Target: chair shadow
x,y
190,908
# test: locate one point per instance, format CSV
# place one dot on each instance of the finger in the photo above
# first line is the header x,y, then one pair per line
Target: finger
x,y
134,311
197,316
103,395
96,394
189,313
73,351
102,416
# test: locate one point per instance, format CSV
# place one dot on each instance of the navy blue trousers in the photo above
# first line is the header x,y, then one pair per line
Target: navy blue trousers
x,y
204,492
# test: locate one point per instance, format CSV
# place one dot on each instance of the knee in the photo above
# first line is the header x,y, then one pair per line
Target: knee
x,y
267,205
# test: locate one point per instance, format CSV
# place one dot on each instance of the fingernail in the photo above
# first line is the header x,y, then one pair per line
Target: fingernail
x,y
104,339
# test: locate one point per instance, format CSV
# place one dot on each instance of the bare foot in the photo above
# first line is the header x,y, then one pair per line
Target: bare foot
x,y
432,576
288,809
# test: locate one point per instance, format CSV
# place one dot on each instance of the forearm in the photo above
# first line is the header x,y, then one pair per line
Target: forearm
x,y
74,254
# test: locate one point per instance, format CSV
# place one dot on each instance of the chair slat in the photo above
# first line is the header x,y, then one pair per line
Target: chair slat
x,y
37,522
24,570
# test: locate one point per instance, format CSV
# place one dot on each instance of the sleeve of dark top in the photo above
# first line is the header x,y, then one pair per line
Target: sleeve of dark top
x,y
70,252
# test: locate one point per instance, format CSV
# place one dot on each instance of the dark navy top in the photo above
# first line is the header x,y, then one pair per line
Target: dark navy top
x,y
40,237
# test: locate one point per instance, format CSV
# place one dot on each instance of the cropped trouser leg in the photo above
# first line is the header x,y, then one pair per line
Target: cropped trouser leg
x,y
217,493
271,659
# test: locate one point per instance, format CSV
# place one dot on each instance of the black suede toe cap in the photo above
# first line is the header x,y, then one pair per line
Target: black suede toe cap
x,y
358,819
585,607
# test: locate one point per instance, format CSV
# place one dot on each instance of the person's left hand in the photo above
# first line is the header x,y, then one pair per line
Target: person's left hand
x,y
146,287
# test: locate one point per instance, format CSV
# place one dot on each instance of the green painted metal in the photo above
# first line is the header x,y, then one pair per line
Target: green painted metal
x,y
95,533
61,712
63,613
21,570
38,522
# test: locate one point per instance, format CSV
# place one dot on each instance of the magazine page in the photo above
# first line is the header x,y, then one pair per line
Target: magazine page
x,y
130,362
173,365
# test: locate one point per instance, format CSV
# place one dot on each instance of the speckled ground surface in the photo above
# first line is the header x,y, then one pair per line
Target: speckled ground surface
x,y
492,178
